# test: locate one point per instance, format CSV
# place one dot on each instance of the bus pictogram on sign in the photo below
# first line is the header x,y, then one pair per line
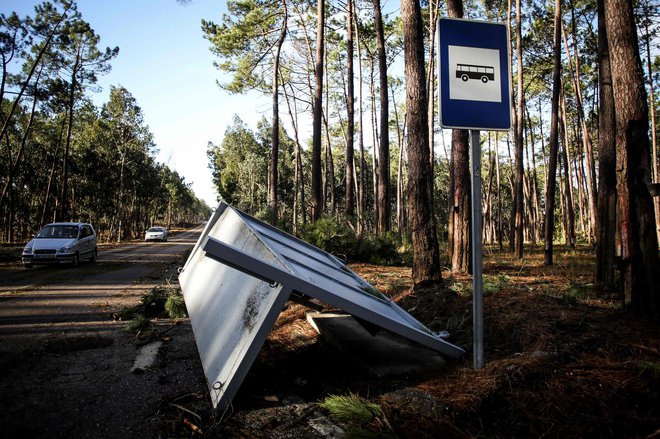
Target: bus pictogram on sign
x,y
469,71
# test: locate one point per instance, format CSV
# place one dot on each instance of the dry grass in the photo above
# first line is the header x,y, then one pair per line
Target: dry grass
x,y
561,359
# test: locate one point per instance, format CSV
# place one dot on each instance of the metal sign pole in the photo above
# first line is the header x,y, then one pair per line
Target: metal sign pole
x,y
477,269
474,90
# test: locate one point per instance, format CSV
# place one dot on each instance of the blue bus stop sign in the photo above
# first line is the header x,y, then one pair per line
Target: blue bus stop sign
x,y
475,86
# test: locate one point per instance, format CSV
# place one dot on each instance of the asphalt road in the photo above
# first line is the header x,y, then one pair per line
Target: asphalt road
x,y
45,299
67,364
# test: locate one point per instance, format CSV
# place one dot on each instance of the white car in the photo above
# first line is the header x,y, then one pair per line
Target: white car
x,y
156,234
61,243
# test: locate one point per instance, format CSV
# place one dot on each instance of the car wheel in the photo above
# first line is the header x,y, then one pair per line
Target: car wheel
x,y
484,79
464,78
28,265
75,261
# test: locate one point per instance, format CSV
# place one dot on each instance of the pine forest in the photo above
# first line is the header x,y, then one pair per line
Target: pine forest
x,y
353,148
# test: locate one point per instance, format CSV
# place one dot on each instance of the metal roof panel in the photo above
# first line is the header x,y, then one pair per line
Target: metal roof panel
x,y
238,278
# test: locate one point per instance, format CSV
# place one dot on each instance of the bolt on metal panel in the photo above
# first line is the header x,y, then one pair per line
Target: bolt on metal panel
x,y
238,278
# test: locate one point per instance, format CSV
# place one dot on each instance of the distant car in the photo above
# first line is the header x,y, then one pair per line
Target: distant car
x,y
156,234
61,243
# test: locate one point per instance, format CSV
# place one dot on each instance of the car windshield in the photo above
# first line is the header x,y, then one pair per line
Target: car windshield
x,y
155,229
58,232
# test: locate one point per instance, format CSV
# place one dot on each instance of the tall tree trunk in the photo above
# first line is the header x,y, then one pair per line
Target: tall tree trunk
x,y
545,156
568,186
579,178
362,180
562,200
375,137
528,217
536,202
460,253
512,219
434,9
554,140
639,243
63,213
426,258
605,247
590,173
299,179
299,172
460,194
532,182
330,167
384,187
518,193
9,193
654,145
400,209
349,207
51,174
275,135
488,225
296,191
512,189
317,186
400,201
451,190
499,232
120,201
13,163
14,166
329,161
527,187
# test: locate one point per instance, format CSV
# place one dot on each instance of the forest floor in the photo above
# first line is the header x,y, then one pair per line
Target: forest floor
x,y
561,360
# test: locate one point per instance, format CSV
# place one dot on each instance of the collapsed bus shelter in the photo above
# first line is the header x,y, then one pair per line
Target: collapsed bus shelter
x,y
238,278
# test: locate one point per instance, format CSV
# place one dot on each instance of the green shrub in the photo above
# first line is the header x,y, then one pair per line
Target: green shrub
x,y
387,249
332,236
175,306
159,302
651,367
363,419
493,284
339,239
350,408
581,292
138,324
460,288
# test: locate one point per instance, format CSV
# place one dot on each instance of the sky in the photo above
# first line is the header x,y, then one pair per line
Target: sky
x,y
165,63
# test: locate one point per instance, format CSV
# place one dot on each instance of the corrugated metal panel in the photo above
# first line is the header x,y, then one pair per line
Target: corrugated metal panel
x,y
238,278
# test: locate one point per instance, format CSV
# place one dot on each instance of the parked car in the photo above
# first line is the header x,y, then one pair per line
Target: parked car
x,y
61,243
156,234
